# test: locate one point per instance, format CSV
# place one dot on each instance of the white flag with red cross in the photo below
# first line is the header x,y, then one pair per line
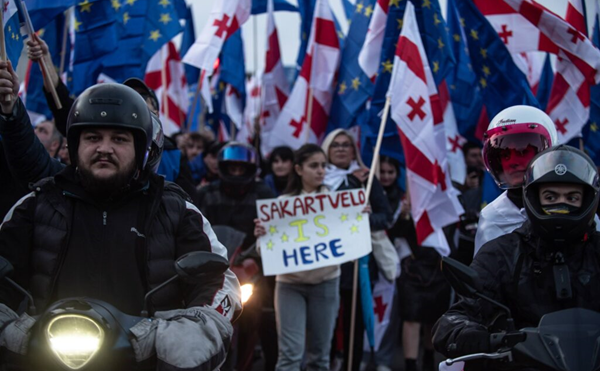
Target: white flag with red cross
x,y
368,58
225,18
251,111
165,75
569,105
416,109
316,81
454,141
275,87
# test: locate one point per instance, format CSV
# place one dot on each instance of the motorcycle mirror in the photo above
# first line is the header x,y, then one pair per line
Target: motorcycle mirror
x,y
462,278
200,265
5,267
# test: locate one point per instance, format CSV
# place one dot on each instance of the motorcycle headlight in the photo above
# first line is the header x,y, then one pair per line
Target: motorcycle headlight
x,y
247,290
74,339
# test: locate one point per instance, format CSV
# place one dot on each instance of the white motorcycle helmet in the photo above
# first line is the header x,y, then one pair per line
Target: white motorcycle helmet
x,y
514,136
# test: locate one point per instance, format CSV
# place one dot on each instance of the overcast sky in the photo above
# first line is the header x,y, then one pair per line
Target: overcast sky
x,y
288,27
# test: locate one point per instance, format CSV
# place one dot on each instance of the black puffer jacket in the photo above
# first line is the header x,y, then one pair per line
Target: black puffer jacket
x,y
517,270
58,225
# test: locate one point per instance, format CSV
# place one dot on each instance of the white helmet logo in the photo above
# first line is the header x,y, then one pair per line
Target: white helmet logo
x,y
560,169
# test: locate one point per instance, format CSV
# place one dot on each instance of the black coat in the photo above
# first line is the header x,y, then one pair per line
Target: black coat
x,y
517,270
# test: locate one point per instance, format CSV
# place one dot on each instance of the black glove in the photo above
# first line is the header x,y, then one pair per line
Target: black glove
x,y
471,340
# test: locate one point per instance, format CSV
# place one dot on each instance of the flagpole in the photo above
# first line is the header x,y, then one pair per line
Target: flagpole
x,y
163,76
63,52
309,115
386,111
7,97
195,99
42,62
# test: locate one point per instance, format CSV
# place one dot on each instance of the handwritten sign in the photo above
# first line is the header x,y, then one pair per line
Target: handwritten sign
x,y
313,231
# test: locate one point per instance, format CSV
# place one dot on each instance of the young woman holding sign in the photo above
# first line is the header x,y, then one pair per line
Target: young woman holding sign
x,y
306,303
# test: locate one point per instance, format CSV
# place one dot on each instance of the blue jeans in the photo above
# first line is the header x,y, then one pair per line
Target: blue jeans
x,y
305,314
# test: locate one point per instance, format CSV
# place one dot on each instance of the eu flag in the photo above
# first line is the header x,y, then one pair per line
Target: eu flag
x,y
192,74
502,83
43,12
462,80
353,86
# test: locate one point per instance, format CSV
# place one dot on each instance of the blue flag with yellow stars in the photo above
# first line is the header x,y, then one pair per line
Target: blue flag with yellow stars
x,y
353,86
146,25
591,132
192,74
502,83
434,34
12,32
462,80
43,12
370,127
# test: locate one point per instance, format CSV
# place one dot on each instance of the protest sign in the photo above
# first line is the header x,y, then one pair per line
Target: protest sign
x,y
313,231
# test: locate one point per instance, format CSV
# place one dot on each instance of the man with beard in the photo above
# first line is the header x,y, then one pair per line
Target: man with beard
x,y
107,227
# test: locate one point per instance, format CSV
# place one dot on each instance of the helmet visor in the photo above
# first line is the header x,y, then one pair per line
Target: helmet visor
x,y
562,167
507,156
238,154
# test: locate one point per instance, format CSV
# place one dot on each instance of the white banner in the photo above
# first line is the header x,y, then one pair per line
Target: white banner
x,y
313,231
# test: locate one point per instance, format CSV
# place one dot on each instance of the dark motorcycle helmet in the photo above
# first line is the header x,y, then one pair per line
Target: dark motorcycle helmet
x,y
561,164
240,154
158,143
111,106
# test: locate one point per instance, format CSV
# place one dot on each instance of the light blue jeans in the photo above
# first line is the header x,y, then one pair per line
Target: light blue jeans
x,y
305,315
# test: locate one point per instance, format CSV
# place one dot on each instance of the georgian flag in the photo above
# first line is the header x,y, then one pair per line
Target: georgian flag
x,y
166,70
234,106
368,58
416,109
225,18
569,105
314,81
252,110
454,141
275,88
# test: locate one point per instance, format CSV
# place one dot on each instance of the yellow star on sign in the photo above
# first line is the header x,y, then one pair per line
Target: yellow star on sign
x,y
388,66
164,3
400,23
436,20
359,217
456,37
285,238
77,24
165,18
486,70
474,35
116,4
483,52
342,88
344,217
359,7
126,17
355,83
272,229
594,127
440,43
483,83
436,66
395,3
354,229
427,4
155,35
270,245
368,11
85,6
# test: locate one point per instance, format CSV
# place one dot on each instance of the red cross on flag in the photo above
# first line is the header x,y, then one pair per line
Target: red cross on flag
x,y
225,18
569,105
252,110
434,202
315,82
275,86
368,58
454,141
165,69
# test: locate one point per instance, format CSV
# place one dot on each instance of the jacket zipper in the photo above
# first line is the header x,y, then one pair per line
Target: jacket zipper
x,y
104,215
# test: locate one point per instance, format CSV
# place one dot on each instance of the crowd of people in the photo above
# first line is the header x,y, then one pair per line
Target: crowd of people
x,y
98,202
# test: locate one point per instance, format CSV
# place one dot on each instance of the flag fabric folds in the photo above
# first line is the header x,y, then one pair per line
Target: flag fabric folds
x,y
12,31
592,131
434,202
368,58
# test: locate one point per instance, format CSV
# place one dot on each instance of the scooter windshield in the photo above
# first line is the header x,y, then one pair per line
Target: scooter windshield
x,y
572,337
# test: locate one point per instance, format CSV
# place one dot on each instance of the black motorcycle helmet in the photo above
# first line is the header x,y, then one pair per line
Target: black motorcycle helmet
x,y
241,154
111,105
158,143
561,164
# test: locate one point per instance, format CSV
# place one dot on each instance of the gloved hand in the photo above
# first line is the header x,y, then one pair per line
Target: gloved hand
x,y
15,336
471,340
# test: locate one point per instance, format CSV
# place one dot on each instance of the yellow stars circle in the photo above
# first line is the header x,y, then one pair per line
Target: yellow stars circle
x,y
427,4
359,7
359,217
400,23
342,88
116,4
85,6
483,83
388,66
164,3
270,245
594,127
395,3
76,25
486,70
344,217
285,238
355,83
440,43
456,37
474,35
165,18
272,230
436,66
483,52
354,229
155,35
130,2
126,17
368,11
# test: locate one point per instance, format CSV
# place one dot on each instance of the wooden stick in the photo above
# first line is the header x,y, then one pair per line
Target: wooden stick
x,y
42,62
353,315
63,52
195,99
309,115
7,97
